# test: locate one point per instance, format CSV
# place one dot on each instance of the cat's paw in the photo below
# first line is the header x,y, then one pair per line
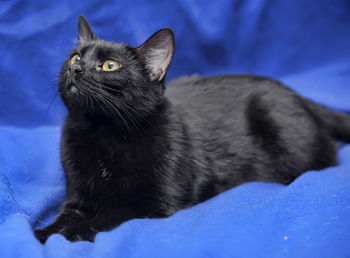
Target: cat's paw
x,y
79,233
42,235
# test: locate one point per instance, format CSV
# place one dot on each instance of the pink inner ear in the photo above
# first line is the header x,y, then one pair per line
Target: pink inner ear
x,y
158,51
158,60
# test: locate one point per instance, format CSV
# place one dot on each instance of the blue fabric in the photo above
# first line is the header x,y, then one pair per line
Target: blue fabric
x,y
305,44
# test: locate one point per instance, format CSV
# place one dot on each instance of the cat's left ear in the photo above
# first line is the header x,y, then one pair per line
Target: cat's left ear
x,y
85,33
158,51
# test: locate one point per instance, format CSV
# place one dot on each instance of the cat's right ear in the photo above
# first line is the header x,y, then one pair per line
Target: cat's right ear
x,y
158,51
85,33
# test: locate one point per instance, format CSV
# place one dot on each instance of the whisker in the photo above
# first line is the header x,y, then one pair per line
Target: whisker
x,y
109,105
132,119
107,99
52,100
109,102
102,85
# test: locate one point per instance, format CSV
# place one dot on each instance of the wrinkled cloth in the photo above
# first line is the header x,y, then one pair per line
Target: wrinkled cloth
x,y
304,44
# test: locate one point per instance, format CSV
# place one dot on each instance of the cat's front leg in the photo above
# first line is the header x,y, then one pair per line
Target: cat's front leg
x,y
105,221
80,232
69,216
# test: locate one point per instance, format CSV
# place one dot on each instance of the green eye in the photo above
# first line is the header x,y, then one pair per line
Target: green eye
x,y
110,65
74,59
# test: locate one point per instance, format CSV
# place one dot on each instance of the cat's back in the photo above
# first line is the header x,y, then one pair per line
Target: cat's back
x,y
238,122
224,94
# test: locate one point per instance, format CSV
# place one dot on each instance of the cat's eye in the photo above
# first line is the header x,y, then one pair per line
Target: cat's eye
x,y
110,65
74,59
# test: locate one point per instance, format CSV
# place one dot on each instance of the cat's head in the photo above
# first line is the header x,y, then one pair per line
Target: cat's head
x,y
113,80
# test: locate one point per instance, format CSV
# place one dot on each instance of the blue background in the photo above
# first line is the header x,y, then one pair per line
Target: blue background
x,y
305,44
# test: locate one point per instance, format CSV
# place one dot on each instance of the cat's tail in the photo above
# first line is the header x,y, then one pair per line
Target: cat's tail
x,y
336,123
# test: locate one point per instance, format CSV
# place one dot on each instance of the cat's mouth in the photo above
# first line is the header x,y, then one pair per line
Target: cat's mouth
x,y
72,93
73,89
73,96
72,86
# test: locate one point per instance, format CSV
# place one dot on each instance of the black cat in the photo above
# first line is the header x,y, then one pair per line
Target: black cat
x,y
131,149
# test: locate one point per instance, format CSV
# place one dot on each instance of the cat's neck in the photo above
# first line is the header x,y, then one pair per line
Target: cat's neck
x,y
123,126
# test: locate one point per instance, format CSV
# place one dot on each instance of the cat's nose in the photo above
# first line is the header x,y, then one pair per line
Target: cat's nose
x,y
77,69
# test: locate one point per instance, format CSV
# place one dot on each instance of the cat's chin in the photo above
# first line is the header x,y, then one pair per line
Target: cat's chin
x,y
72,97
73,89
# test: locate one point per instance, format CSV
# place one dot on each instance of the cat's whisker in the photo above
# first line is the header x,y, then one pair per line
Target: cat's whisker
x,y
109,105
90,102
101,86
101,89
112,107
98,101
51,101
111,99
132,118
101,105
136,124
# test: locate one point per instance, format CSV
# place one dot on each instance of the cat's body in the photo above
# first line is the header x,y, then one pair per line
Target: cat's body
x,y
205,135
249,128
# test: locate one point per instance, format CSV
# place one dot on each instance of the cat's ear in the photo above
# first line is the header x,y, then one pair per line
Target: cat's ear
x,y
158,51
85,33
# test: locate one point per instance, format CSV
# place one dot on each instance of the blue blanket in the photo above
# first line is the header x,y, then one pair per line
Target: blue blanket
x,y
305,44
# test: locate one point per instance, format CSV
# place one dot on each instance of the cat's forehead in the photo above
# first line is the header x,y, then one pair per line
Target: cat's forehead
x,y
101,49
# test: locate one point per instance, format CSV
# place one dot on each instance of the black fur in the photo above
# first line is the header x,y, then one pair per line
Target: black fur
x,y
132,150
